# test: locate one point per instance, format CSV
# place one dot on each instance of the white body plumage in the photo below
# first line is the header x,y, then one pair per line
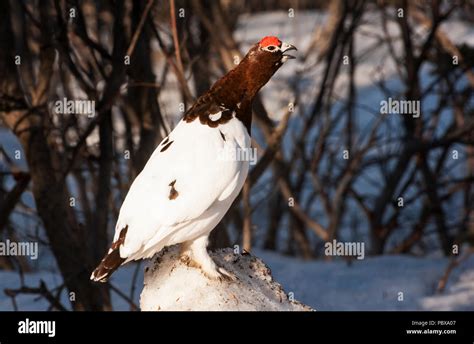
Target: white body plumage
x,y
193,168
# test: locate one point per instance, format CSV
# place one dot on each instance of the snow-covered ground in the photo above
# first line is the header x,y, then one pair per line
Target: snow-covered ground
x,y
375,283
371,284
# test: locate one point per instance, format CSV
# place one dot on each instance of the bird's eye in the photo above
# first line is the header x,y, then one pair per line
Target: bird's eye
x,y
271,48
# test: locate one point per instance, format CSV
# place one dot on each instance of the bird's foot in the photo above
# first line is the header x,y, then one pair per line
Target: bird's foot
x,y
194,254
212,272
219,274
188,261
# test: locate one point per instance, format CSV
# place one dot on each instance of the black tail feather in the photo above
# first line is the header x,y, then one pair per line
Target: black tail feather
x,y
111,261
107,266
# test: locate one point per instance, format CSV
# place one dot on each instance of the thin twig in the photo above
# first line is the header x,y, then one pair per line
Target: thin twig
x,y
455,262
42,290
174,30
179,74
132,304
138,30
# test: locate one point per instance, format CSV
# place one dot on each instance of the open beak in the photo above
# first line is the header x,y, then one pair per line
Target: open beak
x,y
287,47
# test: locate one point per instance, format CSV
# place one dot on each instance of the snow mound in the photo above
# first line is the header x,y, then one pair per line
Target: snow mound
x,y
173,286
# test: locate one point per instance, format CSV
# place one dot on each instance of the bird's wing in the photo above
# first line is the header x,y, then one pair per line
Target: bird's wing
x,y
184,176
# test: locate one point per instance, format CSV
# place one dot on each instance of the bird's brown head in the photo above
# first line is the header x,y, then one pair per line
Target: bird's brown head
x,y
265,58
236,90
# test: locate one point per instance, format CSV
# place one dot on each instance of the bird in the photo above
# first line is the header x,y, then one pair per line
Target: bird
x,y
188,184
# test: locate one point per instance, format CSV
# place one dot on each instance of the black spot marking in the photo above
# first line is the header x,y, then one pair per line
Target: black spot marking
x,y
165,141
166,146
173,192
222,135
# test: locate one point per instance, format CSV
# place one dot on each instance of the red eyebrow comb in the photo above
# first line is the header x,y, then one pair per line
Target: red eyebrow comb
x,y
269,40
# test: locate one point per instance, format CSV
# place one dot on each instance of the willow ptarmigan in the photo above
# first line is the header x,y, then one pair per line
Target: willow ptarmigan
x,y
186,187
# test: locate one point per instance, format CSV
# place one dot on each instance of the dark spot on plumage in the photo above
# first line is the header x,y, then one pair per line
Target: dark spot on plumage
x,y
222,135
173,192
165,141
166,146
